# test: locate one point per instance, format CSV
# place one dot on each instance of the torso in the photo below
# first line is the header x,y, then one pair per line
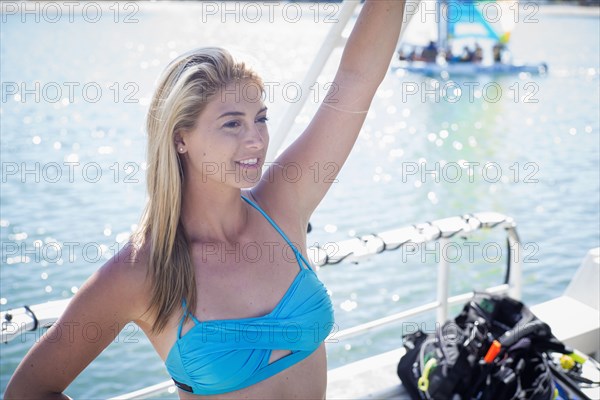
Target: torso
x,y
243,280
305,380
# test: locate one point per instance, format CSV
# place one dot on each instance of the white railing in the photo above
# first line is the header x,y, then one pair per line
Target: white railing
x,y
28,318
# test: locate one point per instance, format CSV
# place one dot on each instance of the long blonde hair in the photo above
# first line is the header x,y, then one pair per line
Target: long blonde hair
x,y
188,83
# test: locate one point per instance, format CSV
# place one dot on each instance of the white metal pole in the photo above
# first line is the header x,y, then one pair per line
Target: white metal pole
x,y
332,41
516,267
442,284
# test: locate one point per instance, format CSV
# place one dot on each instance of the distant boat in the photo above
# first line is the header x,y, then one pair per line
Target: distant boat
x,y
469,68
461,37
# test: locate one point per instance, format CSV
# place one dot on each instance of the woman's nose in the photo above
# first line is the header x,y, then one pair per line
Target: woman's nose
x,y
255,138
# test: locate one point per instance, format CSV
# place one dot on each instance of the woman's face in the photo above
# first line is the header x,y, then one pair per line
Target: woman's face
x,y
229,141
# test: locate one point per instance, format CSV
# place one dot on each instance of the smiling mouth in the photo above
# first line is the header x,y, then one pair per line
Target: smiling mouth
x,y
250,162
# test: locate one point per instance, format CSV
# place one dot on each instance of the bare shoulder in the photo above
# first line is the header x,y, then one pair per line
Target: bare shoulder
x,y
125,276
128,267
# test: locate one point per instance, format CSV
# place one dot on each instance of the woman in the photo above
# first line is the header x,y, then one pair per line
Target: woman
x,y
216,274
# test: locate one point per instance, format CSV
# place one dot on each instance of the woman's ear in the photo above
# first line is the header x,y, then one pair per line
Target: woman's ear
x,y
179,143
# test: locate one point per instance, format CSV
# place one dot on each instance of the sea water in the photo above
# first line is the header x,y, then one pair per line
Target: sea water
x,y
75,88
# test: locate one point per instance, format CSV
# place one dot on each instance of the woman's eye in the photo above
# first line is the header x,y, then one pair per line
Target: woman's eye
x,y
262,120
232,124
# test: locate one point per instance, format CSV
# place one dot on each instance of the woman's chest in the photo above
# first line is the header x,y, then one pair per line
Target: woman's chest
x,y
244,279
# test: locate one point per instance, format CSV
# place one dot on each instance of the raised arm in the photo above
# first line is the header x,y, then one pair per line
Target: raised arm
x,y
100,309
323,147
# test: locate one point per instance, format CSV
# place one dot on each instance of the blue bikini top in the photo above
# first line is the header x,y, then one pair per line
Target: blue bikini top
x,y
221,356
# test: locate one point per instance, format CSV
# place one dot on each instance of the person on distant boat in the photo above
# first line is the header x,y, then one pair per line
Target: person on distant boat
x,y
216,274
401,55
477,54
406,53
467,55
430,52
499,52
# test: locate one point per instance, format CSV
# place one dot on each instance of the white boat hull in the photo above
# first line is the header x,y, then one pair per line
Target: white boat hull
x,y
468,68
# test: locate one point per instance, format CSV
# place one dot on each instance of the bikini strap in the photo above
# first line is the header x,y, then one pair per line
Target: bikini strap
x,y
299,257
185,314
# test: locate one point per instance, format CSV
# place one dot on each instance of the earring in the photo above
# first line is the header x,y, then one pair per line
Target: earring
x,y
181,149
